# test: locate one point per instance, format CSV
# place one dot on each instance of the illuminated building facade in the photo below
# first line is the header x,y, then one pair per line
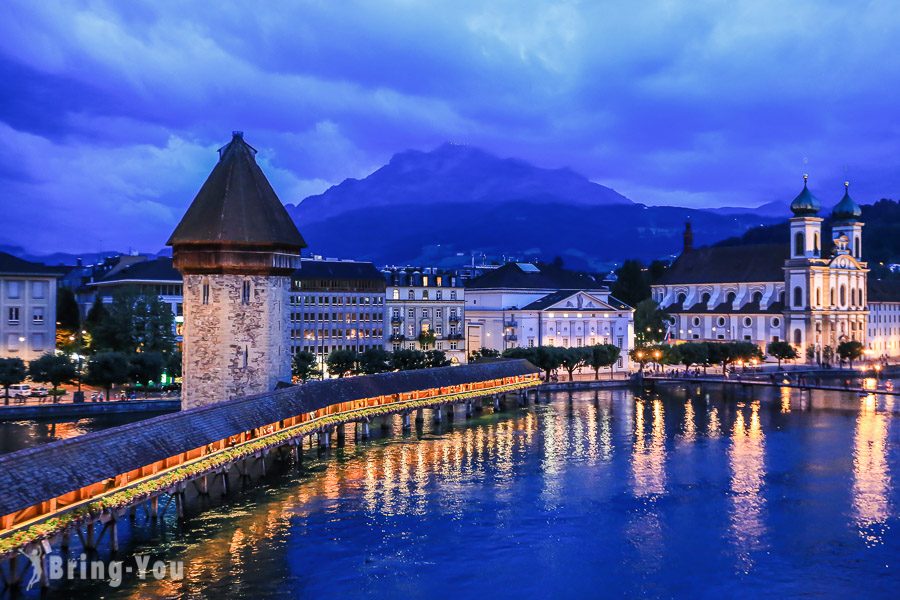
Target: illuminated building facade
x,y
799,291
336,305
27,308
425,310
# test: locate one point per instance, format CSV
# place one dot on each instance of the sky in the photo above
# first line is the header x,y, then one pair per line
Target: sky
x,y
111,112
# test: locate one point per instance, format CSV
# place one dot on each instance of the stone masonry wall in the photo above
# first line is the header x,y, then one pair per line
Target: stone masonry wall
x,y
232,349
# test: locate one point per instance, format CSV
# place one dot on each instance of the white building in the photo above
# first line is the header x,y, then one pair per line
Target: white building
x,y
425,301
27,308
336,305
811,295
884,319
525,305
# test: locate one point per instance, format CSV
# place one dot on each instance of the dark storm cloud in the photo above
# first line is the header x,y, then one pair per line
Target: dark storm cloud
x,y
110,112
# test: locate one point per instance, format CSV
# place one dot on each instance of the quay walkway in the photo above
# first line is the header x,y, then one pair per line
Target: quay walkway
x,y
84,486
805,384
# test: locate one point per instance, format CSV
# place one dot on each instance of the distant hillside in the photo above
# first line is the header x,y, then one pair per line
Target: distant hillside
x,y
425,207
881,233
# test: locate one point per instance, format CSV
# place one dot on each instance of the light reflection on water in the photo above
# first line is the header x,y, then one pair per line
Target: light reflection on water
x,y
652,496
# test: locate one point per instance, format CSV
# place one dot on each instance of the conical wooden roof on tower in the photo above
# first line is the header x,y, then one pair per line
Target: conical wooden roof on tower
x,y
236,223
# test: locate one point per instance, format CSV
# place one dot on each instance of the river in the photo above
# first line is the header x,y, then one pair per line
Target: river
x,y
596,494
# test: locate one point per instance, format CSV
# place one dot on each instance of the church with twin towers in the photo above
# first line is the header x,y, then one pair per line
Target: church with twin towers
x,y
811,292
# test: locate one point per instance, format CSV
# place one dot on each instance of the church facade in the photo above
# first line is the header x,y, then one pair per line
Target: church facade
x,y
810,294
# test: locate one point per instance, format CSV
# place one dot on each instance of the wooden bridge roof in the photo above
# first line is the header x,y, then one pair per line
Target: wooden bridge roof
x,y
33,475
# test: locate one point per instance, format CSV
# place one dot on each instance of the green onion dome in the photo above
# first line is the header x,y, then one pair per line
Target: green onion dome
x,y
805,204
846,209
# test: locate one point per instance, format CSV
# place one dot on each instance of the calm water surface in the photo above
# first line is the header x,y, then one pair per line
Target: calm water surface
x,y
16,435
606,495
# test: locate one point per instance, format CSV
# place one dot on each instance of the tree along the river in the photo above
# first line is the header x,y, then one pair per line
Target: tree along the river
x,y
850,350
106,369
407,359
304,366
342,362
650,323
55,369
375,360
12,371
146,367
782,350
601,356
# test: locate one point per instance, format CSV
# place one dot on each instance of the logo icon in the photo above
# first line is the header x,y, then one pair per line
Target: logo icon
x,y
37,567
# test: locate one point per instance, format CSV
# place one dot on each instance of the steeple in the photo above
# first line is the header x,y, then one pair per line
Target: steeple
x,y
805,204
846,209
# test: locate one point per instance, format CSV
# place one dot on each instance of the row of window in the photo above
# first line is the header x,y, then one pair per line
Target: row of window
x,y
336,300
16,289
426,313
14,313
16,342
339,317
857,297
424,295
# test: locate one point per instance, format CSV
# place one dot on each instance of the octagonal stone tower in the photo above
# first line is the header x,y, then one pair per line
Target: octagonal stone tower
x,y
236,247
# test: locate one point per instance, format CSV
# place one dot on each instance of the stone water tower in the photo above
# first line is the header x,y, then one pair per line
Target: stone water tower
x,y
236,248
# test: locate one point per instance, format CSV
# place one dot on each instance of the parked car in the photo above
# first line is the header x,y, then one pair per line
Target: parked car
x,y
20,391
40,392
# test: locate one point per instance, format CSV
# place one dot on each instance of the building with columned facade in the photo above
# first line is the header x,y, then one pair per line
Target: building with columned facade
x,y
522,305
806,291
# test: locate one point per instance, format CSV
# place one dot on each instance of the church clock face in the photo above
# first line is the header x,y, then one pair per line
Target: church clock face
x,y
842,262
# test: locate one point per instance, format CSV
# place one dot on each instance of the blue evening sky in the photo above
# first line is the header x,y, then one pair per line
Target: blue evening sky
x,y
111,112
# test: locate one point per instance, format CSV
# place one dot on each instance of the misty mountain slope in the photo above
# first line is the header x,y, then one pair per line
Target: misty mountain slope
x,y
453,174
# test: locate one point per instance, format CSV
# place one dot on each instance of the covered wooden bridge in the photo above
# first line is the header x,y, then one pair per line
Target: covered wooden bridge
x,y
83,485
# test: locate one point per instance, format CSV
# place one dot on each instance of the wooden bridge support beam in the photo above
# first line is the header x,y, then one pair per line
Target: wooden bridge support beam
x,y
406,421
341,436
438,414
420,416
468,409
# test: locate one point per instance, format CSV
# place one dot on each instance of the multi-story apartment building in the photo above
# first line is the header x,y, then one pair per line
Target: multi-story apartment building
x,y
884,319
425,309
155,277
336,305
27,308
521,305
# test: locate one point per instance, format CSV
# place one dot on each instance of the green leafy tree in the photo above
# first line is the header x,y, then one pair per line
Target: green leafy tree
x,y
304,366
12,371
650,322
547,359
782,350
106,369
483,353
437,358
342,362
173,365
827,356
146,367
375,360
850,350
517,352
641,355
693,353
134,321
571,359
632,283
94,321
406,359
601,356
55,369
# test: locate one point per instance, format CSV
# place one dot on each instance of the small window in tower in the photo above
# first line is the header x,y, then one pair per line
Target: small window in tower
x,y
245,292
204,292
799,244
246,356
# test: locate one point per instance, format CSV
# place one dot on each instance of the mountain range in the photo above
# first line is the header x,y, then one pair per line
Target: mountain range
x,y
440,207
